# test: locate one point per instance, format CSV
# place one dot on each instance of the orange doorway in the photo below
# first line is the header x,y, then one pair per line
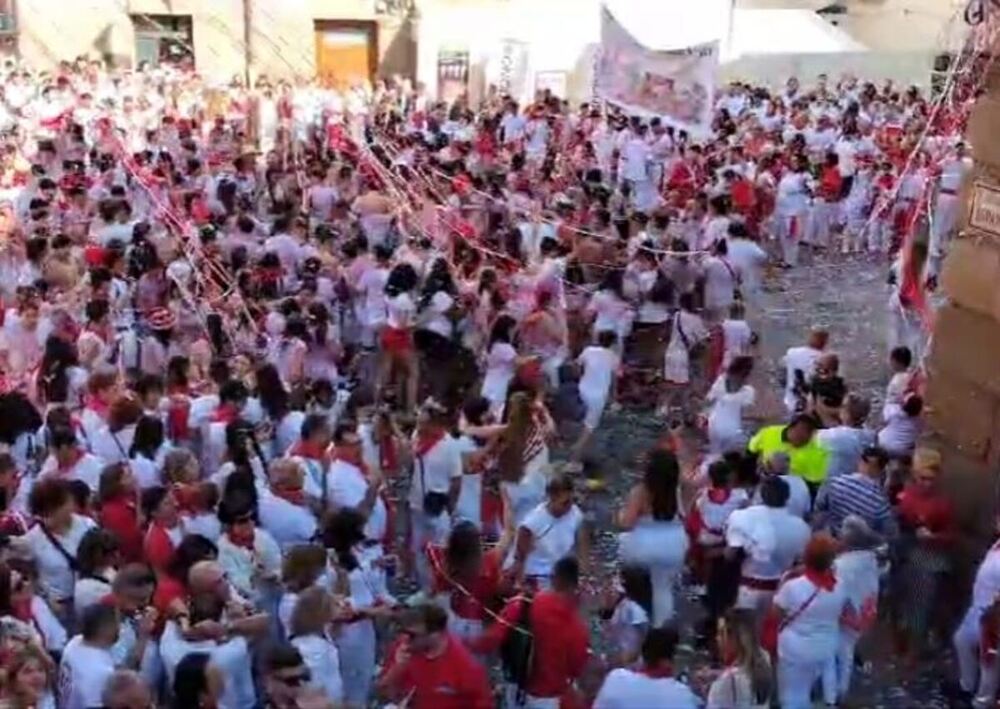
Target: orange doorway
x,y
345,52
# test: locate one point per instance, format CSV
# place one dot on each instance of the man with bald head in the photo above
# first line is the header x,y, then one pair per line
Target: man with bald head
x,y
284,508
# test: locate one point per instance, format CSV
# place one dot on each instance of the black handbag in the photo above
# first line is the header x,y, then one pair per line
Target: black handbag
x,y
435,503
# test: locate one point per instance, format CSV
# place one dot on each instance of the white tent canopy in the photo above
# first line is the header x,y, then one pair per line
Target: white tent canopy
x,y
766,32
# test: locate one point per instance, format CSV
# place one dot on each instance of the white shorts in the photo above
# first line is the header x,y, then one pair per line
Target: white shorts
x,y
595,409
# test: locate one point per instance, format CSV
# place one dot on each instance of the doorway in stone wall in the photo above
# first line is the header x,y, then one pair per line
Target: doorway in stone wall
x,y
346,52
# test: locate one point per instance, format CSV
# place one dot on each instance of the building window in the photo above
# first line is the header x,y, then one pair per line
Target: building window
x,y
163,39
8,19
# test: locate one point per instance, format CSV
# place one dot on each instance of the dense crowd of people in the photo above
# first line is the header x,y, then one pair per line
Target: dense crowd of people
x,y
300,392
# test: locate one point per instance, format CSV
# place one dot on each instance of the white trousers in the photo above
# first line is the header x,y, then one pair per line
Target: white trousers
x,y
837,673
945,220
974,675
356,647
663,578
426,530
796,678
791,228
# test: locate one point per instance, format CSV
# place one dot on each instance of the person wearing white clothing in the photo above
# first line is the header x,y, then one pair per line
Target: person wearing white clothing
x,y
857,571
550,532
800,366
601,367
86,661
978,675
250,557
282,507
54,541
348,486
729,397
810,607
654,536
722,280
791,210
69,461
436,485
748,258
769,539
308,633
231,656
651,687
947,203
501,361
737,337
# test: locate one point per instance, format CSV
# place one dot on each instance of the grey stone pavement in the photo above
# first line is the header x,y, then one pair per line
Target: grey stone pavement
x,y
849,299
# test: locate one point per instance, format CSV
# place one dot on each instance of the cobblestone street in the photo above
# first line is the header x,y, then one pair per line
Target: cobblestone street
x,y
847,298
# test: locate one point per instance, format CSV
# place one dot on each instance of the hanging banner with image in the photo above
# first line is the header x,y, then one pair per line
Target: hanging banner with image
x,y
677,85
507,69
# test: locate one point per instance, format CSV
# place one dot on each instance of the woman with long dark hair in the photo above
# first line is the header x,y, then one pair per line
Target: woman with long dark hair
x,y
198,684
280,407
397,355
654,536
60,378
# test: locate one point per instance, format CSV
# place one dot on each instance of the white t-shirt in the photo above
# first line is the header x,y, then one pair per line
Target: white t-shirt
x,y
552,538
803,358
600,365
441,464
773,539
401,309
231,657
323,661
437,319
83,671
87,469
288,523
372,289
55,576
346,487
627,689
814,632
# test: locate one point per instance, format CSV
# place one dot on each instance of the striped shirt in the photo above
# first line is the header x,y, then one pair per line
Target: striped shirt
x,y
855,494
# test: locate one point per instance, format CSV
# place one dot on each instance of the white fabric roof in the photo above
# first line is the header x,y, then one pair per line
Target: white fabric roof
x,y
757,32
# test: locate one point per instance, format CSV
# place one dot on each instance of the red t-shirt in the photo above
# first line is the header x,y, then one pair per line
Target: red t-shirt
x,y
453,680
483,590
561,642
121,517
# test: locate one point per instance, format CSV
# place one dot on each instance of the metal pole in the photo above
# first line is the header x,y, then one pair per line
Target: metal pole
x,y
247,39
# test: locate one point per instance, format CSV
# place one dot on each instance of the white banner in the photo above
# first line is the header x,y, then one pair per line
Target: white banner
x,y
677,85
507,69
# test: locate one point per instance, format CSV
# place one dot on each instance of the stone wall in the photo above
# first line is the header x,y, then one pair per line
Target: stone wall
x,y
963,367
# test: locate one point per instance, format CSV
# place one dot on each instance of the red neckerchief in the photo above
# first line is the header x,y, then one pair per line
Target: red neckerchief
x,y
351,457
427,440
718,495
658,672
240,539
77,457
822,579
296,497
98,406
225,413
312,451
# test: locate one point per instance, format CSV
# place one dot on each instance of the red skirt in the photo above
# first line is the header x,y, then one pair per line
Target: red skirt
x,y
397,341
